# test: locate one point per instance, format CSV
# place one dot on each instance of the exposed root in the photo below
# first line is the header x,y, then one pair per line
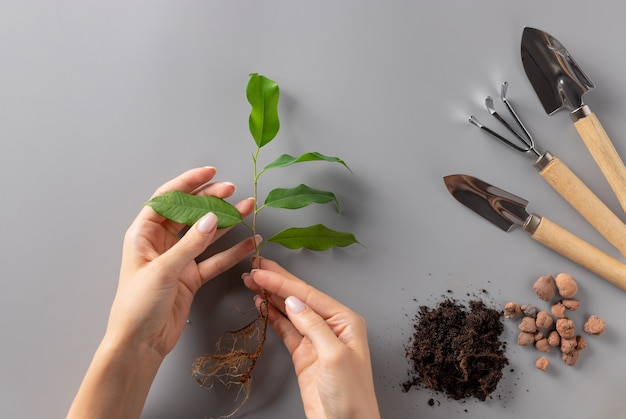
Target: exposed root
x,y
234,358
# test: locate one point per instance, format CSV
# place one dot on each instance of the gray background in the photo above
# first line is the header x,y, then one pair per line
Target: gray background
x,y
101,102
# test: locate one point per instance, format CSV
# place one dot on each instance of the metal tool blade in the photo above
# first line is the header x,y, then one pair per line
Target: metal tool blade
x,y
554,74
502,208
507,210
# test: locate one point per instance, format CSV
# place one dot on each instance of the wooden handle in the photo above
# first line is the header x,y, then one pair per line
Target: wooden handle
x,y
604,153
581,252
564,181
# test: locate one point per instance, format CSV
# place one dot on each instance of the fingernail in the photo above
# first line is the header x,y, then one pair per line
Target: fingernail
x,y
208,223
294,305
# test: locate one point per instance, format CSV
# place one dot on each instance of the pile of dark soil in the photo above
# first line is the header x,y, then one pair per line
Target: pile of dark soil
x,y
457,351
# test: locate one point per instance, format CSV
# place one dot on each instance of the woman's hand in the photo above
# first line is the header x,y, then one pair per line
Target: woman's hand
x,y
159,277
327,342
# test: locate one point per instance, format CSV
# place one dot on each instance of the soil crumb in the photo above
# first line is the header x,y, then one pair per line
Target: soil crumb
x,y
457,351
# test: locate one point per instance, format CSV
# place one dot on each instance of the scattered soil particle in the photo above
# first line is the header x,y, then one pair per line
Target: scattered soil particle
x,y
565,327
528,325
556,330
571,305
554,339
594,326
456,350
542,363
581,343
545,287
571,357
529,310
566,284
544,320
512,310
558,310
543,345
525,338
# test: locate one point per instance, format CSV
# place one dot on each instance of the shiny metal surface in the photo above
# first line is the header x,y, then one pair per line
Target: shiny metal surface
x,y
543,161
525,138
532,223
502,208
554,74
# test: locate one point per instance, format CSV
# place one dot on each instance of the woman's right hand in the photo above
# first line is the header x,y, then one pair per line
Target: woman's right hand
x,y
327,342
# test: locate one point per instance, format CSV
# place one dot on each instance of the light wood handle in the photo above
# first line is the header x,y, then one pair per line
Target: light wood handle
x,y
564,181
581,252
604,153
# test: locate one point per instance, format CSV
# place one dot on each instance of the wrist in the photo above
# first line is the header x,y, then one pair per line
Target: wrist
x,y
128,351
117,381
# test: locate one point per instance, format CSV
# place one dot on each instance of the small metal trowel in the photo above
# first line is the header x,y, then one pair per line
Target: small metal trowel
x,y
506,211
560,83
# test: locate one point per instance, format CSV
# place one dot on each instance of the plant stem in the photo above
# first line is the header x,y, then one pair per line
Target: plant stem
x,y
256,205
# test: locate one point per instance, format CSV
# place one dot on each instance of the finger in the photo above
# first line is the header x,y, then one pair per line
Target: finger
x,y
283,284
250,284
192,244
188,181
219,189
312,326
281,325
277,302
270,265
245,207
223,261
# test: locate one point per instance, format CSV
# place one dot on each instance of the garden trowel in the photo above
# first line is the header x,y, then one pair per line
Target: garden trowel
x,y
506,211
560,83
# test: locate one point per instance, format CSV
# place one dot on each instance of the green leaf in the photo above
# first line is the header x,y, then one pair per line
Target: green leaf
x,y
317,237
287,160
262,93
299,197
187,209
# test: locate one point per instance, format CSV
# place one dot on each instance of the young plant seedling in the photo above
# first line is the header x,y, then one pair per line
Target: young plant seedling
x,y
237,352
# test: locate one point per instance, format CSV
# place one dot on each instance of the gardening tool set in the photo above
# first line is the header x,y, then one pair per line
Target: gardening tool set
x,y
559,83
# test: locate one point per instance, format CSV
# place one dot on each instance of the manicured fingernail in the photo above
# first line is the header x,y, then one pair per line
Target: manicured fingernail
x,y
208,223
294,305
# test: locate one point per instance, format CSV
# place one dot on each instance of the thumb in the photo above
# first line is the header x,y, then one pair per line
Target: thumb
x,y
311,325
193,243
